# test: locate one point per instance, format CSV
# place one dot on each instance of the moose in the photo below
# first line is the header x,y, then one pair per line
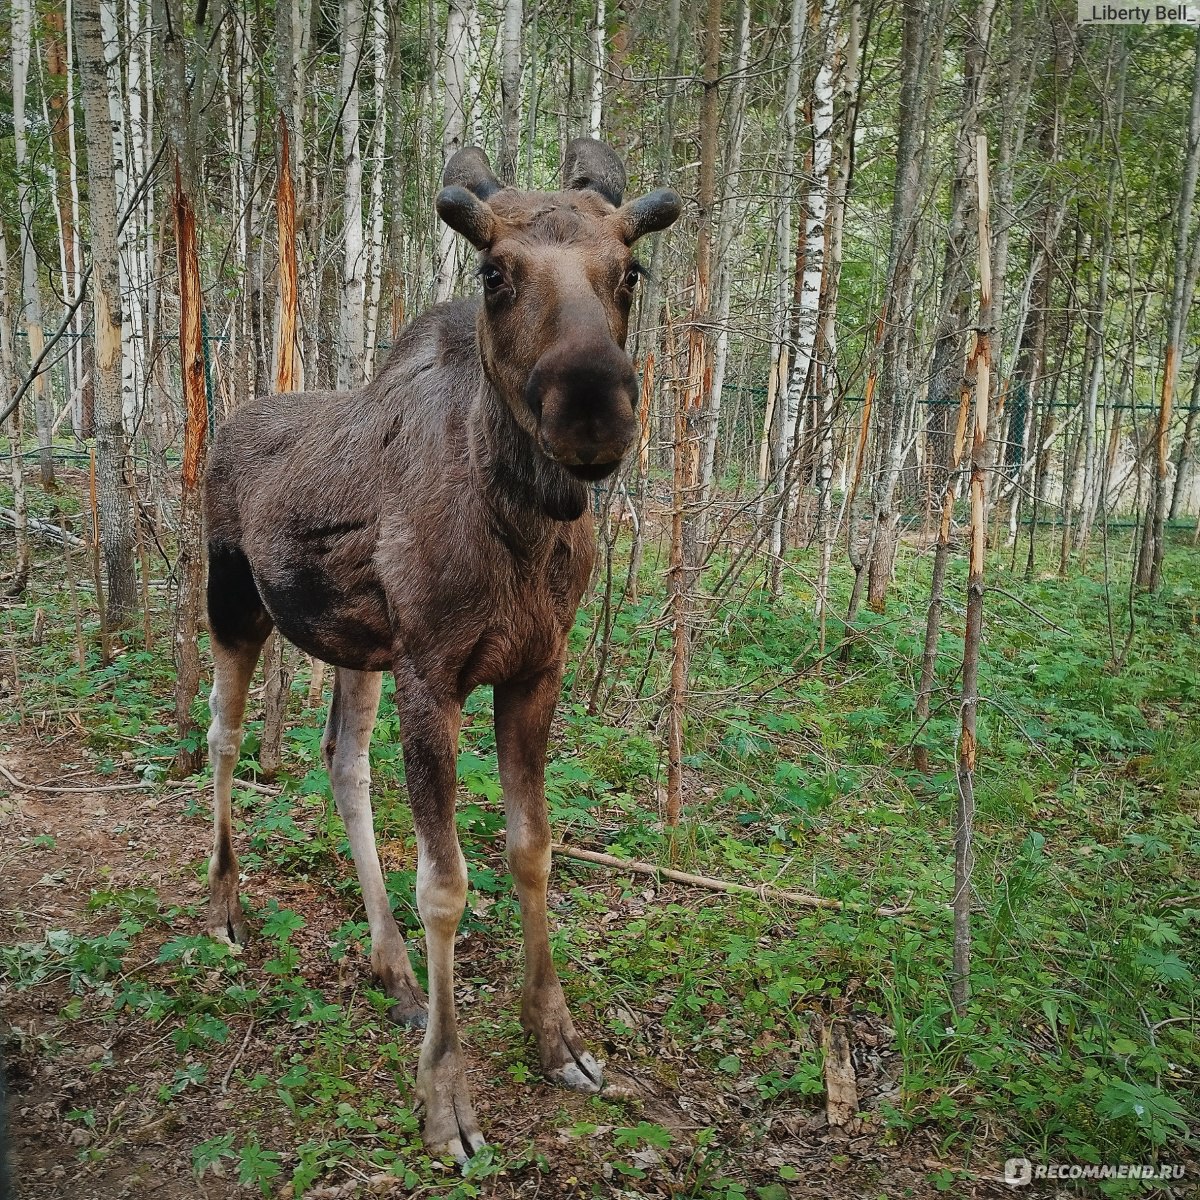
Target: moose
x,y
435,524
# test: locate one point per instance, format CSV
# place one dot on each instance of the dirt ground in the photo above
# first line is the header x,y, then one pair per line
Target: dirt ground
x,y
110,835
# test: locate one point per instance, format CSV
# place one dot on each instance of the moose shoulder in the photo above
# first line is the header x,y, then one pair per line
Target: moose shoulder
x,y
434,524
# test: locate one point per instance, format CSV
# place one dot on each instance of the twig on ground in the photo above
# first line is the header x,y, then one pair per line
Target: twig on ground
x,y
237,1057
1041,616
763,891
189,784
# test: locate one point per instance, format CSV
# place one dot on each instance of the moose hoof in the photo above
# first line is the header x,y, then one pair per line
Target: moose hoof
x,y
450,1124
409,1010
581,1074
226,920
409,1013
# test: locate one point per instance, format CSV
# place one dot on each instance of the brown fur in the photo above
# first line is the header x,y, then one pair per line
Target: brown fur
x,y
434,524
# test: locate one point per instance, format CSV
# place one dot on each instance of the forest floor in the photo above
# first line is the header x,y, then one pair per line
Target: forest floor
x,y
146,1061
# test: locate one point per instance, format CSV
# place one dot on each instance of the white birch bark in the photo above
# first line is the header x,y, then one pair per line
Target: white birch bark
x,y
350,323
814,232
31,302
510,88
772,438
8,380
115,90
599,48
833,267
139,230
116,518
453,79
378,155
77,242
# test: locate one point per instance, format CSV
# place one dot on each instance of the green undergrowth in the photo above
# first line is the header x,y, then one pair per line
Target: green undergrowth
x,y
1080,1041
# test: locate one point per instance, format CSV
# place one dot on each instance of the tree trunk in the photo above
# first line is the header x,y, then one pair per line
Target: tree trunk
x,y
779,425
691,416
379,146
454,73
916,91
826,533
1185,458
8,383
350,323
960,987
195,402
947,370
115,518
810,263
599,48
1184,268
731,171
31,300
510,90
1094,348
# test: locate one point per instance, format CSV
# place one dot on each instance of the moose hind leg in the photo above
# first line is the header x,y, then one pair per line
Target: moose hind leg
x,y
239,625
523,714
346,751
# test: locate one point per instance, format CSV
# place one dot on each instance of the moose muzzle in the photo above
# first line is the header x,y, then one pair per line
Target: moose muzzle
x,y
584,398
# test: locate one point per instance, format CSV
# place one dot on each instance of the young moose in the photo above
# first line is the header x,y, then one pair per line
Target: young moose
x,y
434,524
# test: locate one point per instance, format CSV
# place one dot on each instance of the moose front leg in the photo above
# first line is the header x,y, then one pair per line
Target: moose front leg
x,y
524,711
346,749
429,731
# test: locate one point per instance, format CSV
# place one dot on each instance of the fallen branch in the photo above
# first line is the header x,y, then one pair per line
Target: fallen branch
x,y
190,784
763,891
237,1058
48,530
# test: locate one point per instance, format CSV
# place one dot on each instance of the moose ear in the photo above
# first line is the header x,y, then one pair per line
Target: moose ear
x,y
469,168
593,165
648,214
465,213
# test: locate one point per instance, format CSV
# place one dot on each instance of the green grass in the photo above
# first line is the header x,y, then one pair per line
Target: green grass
x,y
1080,1041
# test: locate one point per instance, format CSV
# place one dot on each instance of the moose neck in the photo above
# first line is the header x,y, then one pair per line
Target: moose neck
x,y
528,492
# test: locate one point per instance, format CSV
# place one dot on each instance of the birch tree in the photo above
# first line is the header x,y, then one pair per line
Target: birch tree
x,y
454,91
599,50
353,295
31,301
510,89
380,135
777,433
828,340
691,416
8,382
811,262
115,514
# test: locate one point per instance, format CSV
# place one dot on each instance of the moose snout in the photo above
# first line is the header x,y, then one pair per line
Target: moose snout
x,y
584,399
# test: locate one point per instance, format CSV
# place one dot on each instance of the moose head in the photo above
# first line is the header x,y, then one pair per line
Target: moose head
x,y
558,278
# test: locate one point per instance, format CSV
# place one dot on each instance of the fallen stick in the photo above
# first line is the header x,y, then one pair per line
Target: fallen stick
x,y
45,528
248,784
763,891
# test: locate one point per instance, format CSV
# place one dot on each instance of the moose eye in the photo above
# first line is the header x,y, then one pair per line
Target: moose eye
x,y
493,280
632,276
